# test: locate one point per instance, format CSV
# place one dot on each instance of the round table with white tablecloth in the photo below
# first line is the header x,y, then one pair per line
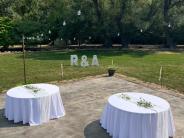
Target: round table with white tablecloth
x,y
34,104
124,118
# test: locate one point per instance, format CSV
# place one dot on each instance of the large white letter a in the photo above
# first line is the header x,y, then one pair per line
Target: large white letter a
x,y
95,61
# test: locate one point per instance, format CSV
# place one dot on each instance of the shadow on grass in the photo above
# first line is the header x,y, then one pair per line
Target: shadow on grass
x,y
5,123
94,130
65,55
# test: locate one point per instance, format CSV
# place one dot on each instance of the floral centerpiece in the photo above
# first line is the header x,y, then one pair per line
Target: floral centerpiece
x,y
125,96
34,89
143,103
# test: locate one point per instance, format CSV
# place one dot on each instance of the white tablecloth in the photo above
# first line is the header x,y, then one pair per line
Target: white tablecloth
x,y
125,119
23,104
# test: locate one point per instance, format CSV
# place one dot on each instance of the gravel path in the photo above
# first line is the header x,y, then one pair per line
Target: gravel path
x,y
84,101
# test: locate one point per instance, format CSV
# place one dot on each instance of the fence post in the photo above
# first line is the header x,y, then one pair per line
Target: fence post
x,y
62,73
24,60
161,76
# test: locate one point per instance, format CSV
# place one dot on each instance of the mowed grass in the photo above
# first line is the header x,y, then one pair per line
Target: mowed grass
x,y
45,66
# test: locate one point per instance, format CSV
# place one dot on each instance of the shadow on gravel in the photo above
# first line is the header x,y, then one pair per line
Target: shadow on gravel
x,y
94,130
5,123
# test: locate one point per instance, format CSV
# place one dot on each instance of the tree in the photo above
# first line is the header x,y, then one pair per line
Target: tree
x,y
171,11
26,18
123,7
5,7
105,21
6,26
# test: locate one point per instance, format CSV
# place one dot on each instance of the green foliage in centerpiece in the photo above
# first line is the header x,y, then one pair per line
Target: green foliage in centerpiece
x,y
125,96
143,103
32,88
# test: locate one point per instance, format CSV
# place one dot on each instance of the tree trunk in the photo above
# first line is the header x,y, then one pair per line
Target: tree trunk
x,y
124,42
119,18
107,36
123,39
97,9
169,40
108,42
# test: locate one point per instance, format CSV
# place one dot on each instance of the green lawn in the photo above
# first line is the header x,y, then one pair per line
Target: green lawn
x,y
45,66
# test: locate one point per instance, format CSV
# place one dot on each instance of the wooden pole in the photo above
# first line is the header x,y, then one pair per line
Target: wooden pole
x,y
79,40
62,73
160,76
24,55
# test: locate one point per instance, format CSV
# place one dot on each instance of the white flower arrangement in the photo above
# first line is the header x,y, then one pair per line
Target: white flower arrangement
x,y
125,96
32,88
143,103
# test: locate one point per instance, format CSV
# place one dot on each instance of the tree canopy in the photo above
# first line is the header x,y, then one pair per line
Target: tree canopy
x,y
97,21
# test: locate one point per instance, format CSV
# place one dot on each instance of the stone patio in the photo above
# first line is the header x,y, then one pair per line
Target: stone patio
x,y
84,101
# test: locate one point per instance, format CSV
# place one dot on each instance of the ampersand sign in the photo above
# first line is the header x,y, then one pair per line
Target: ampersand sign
x,y
84,61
